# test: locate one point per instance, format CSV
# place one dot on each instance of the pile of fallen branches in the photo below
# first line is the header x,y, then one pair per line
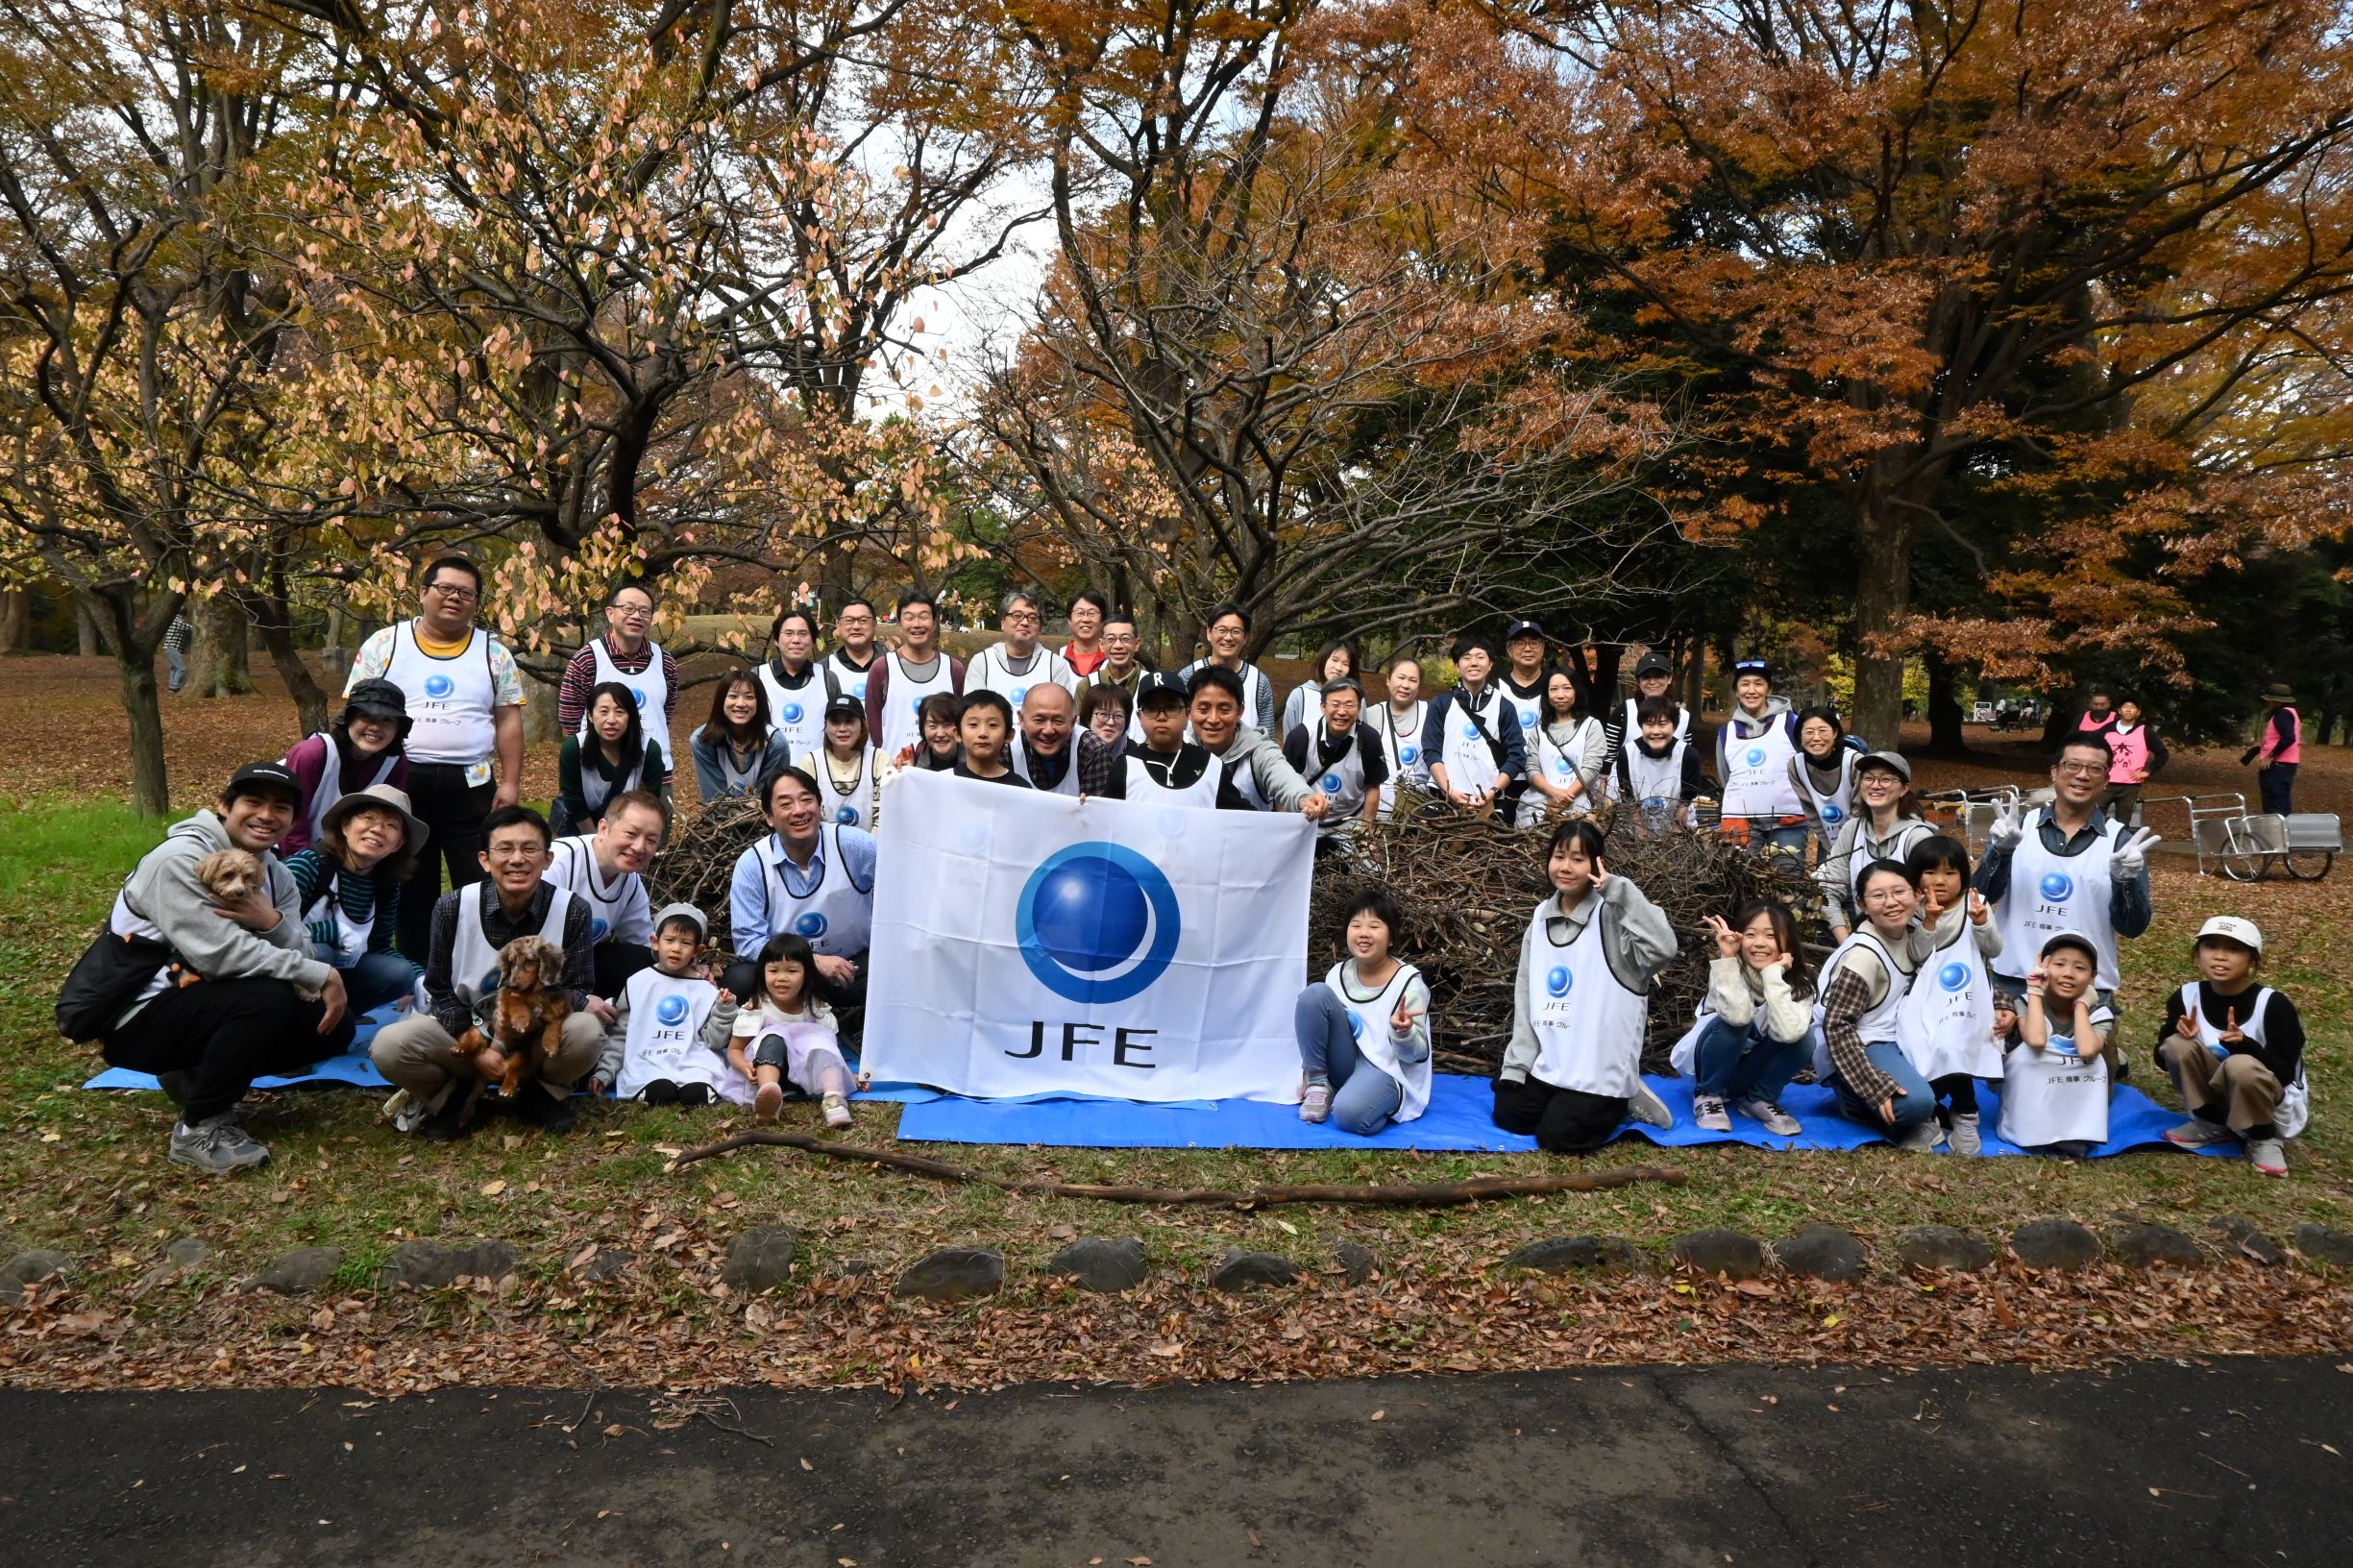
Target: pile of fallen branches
x,y
696,865
1466,888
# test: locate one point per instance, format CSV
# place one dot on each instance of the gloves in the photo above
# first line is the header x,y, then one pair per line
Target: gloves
x,y
2128,858
2007,829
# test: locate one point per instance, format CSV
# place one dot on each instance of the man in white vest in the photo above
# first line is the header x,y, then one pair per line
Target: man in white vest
x,y
898,684
1046,754
854,648
465,708
418,1055
809,876
626,656
1754,751
605,871
1012,667
2066,866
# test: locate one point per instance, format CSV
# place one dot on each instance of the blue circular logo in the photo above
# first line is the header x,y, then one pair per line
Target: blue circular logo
x,y
1470,732
811,925
1757,756
1017,695
598,927
1832,815
1527,717
637,695
791,713
1953,976
915,705
1559,980
1332,783
846,815
671,1010
1356,1024
490,982
1408,755
2057,887
1097,922
439,686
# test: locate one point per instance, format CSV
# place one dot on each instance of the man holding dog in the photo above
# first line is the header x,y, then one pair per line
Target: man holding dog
x,y
471,928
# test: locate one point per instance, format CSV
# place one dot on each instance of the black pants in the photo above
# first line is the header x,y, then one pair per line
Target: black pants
x,y
616,961
2277,785
1959,1093
1564,1120
227,1033
454,810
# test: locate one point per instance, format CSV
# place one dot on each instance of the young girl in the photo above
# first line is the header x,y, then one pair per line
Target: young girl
x,y
1946,1027
1365,1032
1824,773
2055,1088
1400,720
2235,1050
612,760
1757,1023
786,1033
1566,769
1863,988
1884,825
1581,1003
735,748
844,768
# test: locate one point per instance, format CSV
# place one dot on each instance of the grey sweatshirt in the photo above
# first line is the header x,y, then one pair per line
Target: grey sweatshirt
x,y
164,891
1636,940
1277,779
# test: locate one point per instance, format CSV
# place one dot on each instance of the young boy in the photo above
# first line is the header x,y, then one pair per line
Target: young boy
x,y
1343,757
1660,771
2235,1049
1166,768
984,722
2054,1085
651,1049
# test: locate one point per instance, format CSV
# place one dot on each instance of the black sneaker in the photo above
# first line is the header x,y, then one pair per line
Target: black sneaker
x,y
544,1111
445,1125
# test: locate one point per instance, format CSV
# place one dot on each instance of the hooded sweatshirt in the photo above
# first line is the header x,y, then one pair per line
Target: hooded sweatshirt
x,y
166,901
1277,780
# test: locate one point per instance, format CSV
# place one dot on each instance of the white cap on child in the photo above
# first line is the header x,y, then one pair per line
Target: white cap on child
x,y
2234,928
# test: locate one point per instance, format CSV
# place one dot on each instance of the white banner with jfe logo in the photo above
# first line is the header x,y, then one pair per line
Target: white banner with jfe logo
x,y
1026,943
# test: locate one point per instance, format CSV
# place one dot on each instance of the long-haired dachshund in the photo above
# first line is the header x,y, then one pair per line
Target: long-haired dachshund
x,y
527,1016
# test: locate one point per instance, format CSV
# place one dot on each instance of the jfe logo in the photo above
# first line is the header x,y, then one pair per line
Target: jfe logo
x,y
1332,783
1559,980
811,925
791,713
637,695
846,815
1757,756
2057,887
1953,976
671,1010
1096,922
439,686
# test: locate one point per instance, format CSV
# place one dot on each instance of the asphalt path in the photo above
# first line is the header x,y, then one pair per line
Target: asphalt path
x,y
2238,1462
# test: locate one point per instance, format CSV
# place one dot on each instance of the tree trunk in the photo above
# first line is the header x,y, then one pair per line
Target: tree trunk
x,y
1945,715
1882,598
220,664
90,639
274,619
135,662
15,619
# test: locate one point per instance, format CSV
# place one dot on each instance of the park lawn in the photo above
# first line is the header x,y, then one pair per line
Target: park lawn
x,y
84,1172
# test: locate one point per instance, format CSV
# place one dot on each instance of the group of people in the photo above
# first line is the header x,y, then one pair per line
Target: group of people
x,y
420,772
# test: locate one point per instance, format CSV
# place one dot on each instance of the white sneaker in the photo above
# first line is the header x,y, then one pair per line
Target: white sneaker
x,y
1316,1103
1778,1121
1923,1139
1643,1106
1966,1137
2197,1132
2269,1156
836,1110
1707,1112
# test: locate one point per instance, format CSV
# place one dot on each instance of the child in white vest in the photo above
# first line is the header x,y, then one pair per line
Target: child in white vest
x,y
786,1034
653,1048
2054,1088
2235,1050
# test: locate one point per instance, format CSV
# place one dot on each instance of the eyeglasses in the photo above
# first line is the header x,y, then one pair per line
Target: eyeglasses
x,y
1020,618
2083,770
635,612
1887,896
457,592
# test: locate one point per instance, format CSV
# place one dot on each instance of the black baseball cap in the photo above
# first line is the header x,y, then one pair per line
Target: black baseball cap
x,y
1523,628
1161,689
1653,664
845,706
263,778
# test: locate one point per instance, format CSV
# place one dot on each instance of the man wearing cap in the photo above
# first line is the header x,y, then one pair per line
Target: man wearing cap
x,y
624,656
230,1005
1342,755
1161,767
365,743
2278,750
1753,752
471,928
2066,866
464,701
1524,679
1058,756
1654,676
349,887
605,871
2235,1050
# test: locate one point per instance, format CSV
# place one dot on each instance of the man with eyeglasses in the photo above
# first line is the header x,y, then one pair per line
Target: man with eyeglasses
x,y
852,658
465,709
1012,667
2066,866
626,656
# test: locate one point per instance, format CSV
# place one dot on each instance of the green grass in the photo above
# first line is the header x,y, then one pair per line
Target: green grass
x,y
84,1172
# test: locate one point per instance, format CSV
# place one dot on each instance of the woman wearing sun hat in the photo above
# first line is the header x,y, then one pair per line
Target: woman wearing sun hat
x,y
2279,746
349,887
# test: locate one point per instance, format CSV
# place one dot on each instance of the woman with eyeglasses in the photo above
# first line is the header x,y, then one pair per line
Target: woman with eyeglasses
x,y
1884,825
624,655
1863,988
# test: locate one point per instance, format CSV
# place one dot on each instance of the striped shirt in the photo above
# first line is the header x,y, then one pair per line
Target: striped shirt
x,y
363,899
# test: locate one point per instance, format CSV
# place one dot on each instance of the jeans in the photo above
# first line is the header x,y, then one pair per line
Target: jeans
x,y
1363,1097
176,662
2277,783
453,812
1914,1106
1764,834
1737,1063
1562,1120
226,1033
378,978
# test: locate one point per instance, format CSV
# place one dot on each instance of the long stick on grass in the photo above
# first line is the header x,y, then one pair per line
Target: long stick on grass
x,y
1396,1195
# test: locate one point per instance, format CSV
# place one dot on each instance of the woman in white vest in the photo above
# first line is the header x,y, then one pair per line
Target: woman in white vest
x,y
1654,676
2235,1049
1754,753
616,759
1858,1020
1400,721
1885,825
795,683
362,748
1581,1004
847,769
349,885
736,746
2055,1085
1365,1032
1756,1023
810,876
1564,772
1822,775
1946,1026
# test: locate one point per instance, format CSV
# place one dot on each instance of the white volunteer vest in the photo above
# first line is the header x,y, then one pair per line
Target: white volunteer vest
x,y
351,939
1654,782
2050,894
595,792
666,1013
852,807
1145,790
1471,767
902,722
838,916
847,676
2295,1099
799,715
330,783
572,865
1067,784
2053,1095
474,963
449,699
1558,761
1946,1024
1834,807
1368,1022
1402,748
1862,849
1343,781
649,687
1246,784
1633,725
993,671
1588,1026
1757,773
1880,1025
1527,712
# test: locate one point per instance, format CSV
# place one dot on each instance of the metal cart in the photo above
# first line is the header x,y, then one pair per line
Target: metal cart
x,y
2247,846
1970,813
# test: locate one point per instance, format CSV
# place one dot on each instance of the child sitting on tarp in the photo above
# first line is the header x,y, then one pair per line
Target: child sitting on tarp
x,y
1364,1030
653,1048
2235,1049
2054,1085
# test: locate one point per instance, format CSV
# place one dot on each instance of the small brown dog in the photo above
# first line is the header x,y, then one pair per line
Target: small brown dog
x,y
527,1016
229,875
